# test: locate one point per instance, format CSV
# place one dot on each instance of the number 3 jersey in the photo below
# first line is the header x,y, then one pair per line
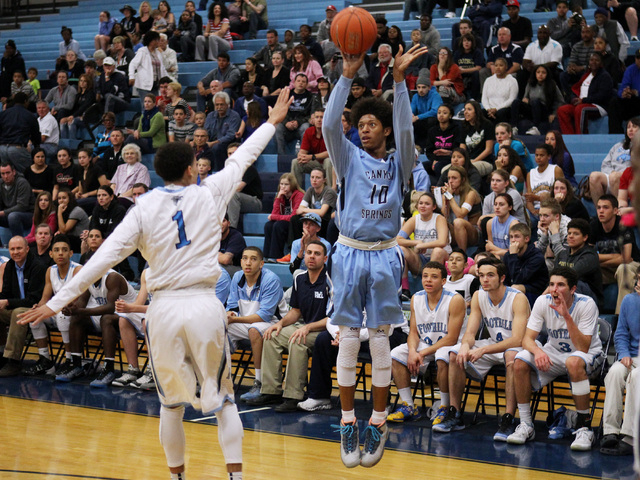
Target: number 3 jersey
x,y
176,228
498,318
584,313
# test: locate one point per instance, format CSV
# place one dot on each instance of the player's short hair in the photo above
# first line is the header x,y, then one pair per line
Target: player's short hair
x,y
172,160
256,250
318,242
461,252
61,238
493,262
546,147
580,224
436,266
569,275
552,204
501,60
379,108
522,228
609,198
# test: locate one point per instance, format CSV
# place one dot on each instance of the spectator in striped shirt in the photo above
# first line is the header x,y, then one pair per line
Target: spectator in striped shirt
x,y
181,130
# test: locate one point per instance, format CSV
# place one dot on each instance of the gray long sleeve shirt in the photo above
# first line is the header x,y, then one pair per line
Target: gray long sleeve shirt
x,y
16,197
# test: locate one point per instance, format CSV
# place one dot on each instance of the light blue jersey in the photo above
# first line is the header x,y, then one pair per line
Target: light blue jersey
x,y
222,286
367,276
370,190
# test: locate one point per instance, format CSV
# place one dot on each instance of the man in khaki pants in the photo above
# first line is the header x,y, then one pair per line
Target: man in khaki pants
x,y
22,286
296,333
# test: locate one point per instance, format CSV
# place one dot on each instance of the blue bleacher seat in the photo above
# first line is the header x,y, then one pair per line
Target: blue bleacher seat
x,y
156,181
282,270
253,241
253,223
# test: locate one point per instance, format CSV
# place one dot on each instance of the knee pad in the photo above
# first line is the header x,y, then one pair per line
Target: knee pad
x,y
348,356
230,433
380,356
38,331
172,435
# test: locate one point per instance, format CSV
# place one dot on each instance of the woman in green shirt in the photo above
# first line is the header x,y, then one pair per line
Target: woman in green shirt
x,y
150,134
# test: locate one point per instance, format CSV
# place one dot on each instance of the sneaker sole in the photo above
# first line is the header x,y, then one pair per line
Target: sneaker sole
x,y
500,438
582,448
315,409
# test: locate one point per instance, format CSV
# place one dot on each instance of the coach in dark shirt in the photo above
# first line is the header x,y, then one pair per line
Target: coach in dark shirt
x,y
22,285
18,126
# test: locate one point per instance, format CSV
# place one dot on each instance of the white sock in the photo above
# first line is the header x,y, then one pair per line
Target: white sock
x,y
525,413
44,352
67,355
235,475
444,399
178,476
405,395
349,416
259,374
378,418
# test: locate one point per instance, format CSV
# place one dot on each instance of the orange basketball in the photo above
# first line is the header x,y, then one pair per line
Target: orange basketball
x,y
354,30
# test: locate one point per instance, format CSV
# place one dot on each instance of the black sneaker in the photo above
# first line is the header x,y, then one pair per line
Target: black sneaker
x,y
505,428
44,366
289,405
265,399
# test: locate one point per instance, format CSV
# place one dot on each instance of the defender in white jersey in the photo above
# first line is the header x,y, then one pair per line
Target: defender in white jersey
x,y
56,277
573,347
503,311
177,228
437,317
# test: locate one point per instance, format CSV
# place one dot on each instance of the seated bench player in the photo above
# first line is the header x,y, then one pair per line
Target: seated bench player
x,y
573,347
255,303
95,308
504,312
57,275
296,333
437,316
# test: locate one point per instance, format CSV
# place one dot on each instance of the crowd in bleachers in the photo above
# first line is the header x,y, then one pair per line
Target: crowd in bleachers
x,y
484,187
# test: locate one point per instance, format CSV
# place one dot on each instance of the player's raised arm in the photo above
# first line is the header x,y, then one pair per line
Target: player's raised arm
x,y
340,149
402,116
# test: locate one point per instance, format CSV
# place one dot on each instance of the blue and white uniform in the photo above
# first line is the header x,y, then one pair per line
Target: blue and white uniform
x,y
59,320
498,320
264,299
99,297
432,325
186,322
559,346
367,263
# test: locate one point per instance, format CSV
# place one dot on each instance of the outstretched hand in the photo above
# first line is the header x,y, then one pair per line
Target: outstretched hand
x,y
351,64
35,315
281,108
403,60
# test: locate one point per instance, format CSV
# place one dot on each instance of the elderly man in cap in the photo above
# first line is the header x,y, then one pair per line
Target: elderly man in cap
x,y
613,32
112,88
626,103
325,25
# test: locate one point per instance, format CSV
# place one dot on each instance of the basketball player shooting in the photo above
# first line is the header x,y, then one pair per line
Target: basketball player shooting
x,y
367,261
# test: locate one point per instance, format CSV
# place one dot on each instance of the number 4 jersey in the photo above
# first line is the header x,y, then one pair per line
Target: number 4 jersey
x,y
584,313
498,318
